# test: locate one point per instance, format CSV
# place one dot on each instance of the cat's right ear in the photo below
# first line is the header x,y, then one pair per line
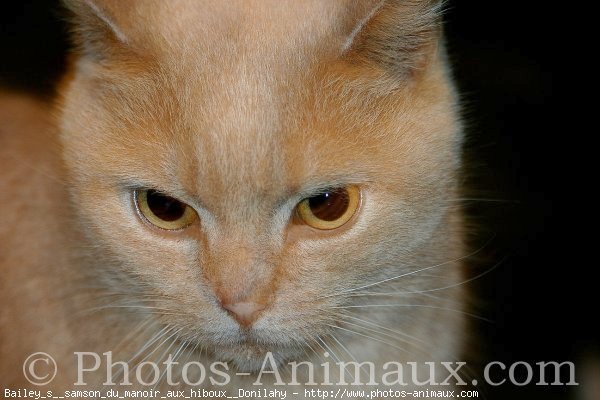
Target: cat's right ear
x,y
98,28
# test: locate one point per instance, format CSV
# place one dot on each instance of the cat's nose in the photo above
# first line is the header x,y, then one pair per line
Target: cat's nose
x,y
245,313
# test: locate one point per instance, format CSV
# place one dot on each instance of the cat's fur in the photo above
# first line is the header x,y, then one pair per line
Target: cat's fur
x,y
238,109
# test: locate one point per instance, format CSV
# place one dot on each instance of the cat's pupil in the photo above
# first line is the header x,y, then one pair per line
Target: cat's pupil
x,y
165,207
330,205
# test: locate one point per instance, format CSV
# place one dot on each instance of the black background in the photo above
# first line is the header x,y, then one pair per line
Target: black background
x,y
504,57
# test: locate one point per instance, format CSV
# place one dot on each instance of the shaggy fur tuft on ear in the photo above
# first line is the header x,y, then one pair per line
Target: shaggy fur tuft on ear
x,y
95,30
400,35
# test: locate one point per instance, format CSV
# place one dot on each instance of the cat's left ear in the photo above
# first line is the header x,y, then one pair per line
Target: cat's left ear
x,y
398,35
99,27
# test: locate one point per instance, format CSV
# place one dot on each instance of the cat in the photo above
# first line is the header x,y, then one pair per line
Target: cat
x,y
233,181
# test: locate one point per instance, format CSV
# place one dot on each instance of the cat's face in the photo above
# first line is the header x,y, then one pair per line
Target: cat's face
x,y
241,115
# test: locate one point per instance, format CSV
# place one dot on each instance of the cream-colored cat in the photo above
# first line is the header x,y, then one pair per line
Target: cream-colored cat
x,y
225,181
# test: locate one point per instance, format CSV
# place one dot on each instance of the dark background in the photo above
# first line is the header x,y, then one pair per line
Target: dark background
x,y
504,56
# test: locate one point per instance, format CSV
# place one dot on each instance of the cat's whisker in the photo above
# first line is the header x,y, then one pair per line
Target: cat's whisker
x,y
190,353
317,354
308,356
167,354
415,305
159,360
394,331
327,353
417,344
344,348
121,305
147,356
483,200
143,297
336,358
157,336
343,292
446,301
384,334
141,327
487,271
144,325
317,341
149,309
347,351
442,300
185,349
370,337
187,353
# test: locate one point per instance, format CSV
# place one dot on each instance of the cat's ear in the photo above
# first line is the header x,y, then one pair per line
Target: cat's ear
x,y
398,35
96,29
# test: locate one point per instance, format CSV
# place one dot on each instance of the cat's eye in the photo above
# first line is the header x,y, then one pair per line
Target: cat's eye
x,y
329,209
164,211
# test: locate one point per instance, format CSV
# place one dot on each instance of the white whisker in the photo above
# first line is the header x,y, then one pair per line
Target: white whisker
x,y
487,271
372,330
397,332
370,337
408,273
416,305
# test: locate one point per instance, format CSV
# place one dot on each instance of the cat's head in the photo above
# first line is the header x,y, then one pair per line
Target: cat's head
x,y
238,169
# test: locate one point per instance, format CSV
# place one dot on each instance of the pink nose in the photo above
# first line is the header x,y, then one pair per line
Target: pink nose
x,y
244,313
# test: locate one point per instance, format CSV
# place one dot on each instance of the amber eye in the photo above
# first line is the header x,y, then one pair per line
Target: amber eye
x,y
329,209
164,211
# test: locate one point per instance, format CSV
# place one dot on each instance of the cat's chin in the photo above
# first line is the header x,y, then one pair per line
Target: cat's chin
x,y
252,357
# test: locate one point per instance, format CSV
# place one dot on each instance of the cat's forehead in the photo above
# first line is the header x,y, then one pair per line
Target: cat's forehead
x,y
241,133
190,28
